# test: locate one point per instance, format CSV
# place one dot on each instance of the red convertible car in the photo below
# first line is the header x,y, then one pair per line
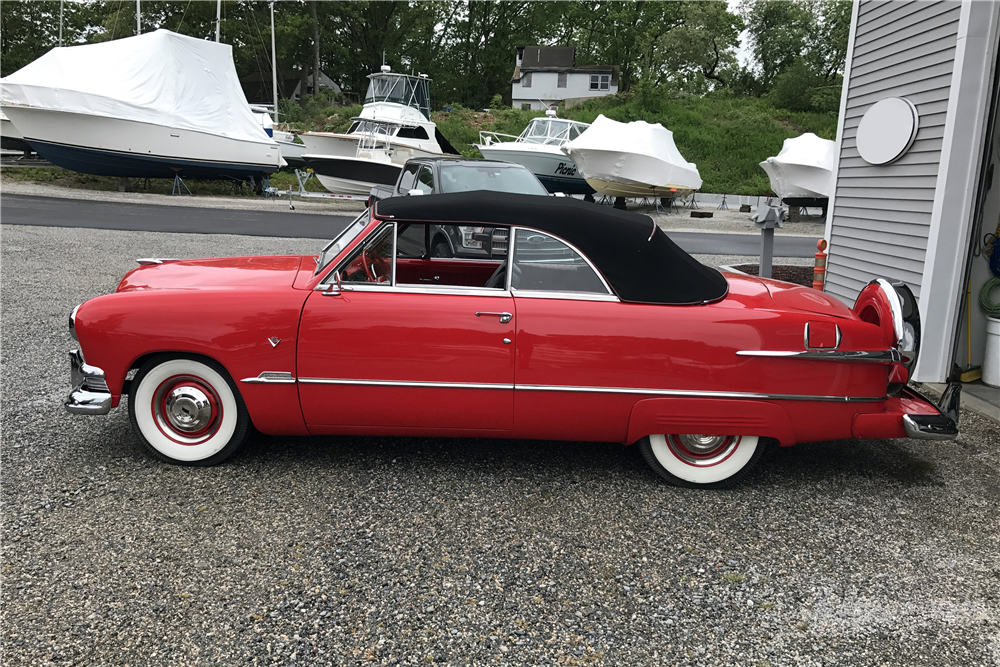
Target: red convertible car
x,y
584,323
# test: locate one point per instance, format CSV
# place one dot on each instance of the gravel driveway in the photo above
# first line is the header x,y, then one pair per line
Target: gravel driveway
x,y
345,550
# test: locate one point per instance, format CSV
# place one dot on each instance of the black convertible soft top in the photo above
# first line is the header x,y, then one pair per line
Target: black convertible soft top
x,y
640,268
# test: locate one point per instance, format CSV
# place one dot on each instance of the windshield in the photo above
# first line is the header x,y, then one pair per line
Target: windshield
x,y
513,178
334,247
552,131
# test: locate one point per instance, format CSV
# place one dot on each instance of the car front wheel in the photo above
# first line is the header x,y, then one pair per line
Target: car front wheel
x,y
701,461
187,412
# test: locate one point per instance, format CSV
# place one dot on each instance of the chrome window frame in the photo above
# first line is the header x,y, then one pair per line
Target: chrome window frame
x,y
555,294
324,283
408,288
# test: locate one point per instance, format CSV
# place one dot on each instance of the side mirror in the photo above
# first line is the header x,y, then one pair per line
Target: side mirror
x,y
415,193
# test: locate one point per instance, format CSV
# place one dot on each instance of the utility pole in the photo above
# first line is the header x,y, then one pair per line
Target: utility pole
x,y
218,19
312,10
274,68
138,17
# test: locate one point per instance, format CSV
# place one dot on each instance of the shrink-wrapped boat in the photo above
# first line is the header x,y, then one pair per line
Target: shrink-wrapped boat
x,y
154,105
636,159
803,170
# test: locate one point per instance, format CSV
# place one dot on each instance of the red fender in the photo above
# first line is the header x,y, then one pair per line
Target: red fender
x,y
710,416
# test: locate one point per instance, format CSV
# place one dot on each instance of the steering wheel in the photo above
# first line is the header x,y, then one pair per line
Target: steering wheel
x,y
375,267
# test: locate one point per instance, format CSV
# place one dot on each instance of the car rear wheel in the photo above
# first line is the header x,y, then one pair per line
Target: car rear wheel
x,y
187,412
701,461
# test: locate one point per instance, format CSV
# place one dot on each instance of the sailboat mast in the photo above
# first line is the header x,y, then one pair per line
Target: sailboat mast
x,y
274,68
218,19
138,17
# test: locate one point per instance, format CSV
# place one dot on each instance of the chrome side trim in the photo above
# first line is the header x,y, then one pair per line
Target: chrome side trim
x,y
595,390
271,377
566,296
701,394
409,288
401,383
866,356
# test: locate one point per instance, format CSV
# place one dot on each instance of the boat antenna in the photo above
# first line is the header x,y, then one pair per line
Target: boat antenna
x,y
138,17
274,68
60,21
218,19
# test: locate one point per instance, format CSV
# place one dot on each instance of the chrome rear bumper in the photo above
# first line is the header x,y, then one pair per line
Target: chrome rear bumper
x,y
942,426
89,394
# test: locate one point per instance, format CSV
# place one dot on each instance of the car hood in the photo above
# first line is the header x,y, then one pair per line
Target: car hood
x,y
277,271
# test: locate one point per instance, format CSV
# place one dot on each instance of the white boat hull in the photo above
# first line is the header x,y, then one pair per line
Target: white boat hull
x,y
353,175
556,171
798,181
617,174
117,147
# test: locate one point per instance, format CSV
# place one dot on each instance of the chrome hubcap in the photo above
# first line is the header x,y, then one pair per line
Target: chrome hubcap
x,y
702,450
701,444
188,409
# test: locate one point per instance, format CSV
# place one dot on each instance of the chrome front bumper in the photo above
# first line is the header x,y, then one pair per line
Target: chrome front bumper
x,y
90,394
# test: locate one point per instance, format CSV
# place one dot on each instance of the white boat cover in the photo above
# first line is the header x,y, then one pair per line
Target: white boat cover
x,y
620,140
803,168
161,78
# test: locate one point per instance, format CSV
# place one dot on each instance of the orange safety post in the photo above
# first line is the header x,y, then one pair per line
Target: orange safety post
x,y
819,272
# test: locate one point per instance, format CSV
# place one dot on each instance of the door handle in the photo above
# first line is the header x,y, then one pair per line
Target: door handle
x,y
430,280
504,317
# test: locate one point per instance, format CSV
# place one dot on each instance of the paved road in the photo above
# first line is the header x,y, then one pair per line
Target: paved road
x,y
55,212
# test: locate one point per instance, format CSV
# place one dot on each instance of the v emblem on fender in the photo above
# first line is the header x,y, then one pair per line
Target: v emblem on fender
x,y
274,341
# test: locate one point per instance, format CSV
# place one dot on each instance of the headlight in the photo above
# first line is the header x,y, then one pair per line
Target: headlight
x,y
72,323
467,234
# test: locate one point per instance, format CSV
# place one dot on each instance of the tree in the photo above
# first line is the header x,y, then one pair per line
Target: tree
x,y
703,47
778,32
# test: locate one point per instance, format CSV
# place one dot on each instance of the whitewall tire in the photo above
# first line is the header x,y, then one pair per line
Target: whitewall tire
x,y
701,461
187,411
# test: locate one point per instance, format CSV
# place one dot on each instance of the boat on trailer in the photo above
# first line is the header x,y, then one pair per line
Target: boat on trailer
x,y
157,105
539,148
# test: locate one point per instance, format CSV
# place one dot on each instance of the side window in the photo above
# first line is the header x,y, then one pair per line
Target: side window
x,y
544,263
408,177
561,80
425,181
371,262
410,240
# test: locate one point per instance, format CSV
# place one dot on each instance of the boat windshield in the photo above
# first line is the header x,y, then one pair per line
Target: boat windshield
x,y
411,91
551,131
373,127
334,247
497,178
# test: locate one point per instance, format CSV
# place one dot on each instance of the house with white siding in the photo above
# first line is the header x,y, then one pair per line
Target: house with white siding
x,y
545,76
915,184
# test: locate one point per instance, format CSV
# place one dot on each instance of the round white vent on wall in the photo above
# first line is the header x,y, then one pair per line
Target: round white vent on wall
x,y
887,130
